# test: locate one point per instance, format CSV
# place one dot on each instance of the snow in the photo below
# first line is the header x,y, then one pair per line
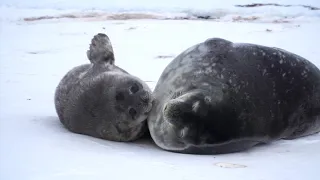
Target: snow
x,y
144,4
35,55
171,9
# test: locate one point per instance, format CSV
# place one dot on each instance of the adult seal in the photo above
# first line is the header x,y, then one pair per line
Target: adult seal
x,y
102,100
223,97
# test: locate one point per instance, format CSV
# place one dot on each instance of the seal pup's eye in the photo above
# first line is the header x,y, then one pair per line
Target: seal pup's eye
x,y
132,113
134,88
119,96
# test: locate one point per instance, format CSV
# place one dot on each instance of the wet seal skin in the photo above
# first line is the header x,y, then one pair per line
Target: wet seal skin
x,y
102,100
223,97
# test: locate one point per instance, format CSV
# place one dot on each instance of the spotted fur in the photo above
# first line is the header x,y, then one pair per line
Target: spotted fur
x,y
222,97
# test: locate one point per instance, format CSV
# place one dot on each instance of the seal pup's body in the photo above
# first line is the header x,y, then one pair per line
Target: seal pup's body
x,y
102,100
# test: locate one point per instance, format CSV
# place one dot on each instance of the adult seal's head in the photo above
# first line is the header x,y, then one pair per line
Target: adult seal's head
x,y
102,100
222,97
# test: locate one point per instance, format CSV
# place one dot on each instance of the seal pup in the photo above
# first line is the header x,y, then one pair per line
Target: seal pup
x,y
102,100
223,97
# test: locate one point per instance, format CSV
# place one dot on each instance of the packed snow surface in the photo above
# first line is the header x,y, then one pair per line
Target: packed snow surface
x,y
35,55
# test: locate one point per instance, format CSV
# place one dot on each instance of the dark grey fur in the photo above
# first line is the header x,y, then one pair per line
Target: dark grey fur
x,y
101,99
223,97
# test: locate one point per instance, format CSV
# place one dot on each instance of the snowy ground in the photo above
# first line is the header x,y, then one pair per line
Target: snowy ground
x,y
35,146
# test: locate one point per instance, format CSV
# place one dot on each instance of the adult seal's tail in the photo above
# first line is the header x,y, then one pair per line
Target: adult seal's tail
x,y
102,100
222,97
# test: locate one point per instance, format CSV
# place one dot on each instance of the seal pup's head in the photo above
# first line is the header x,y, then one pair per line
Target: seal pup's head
x,y
112,106
130,98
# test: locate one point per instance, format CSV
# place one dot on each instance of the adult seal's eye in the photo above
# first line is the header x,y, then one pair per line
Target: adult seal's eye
x,y
119,96
134,88
132,113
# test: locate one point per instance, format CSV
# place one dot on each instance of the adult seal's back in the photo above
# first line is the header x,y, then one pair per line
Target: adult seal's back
x,y
102,100
223,97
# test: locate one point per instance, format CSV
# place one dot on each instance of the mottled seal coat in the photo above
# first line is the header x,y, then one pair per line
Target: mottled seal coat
x,y
102,100
223,97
